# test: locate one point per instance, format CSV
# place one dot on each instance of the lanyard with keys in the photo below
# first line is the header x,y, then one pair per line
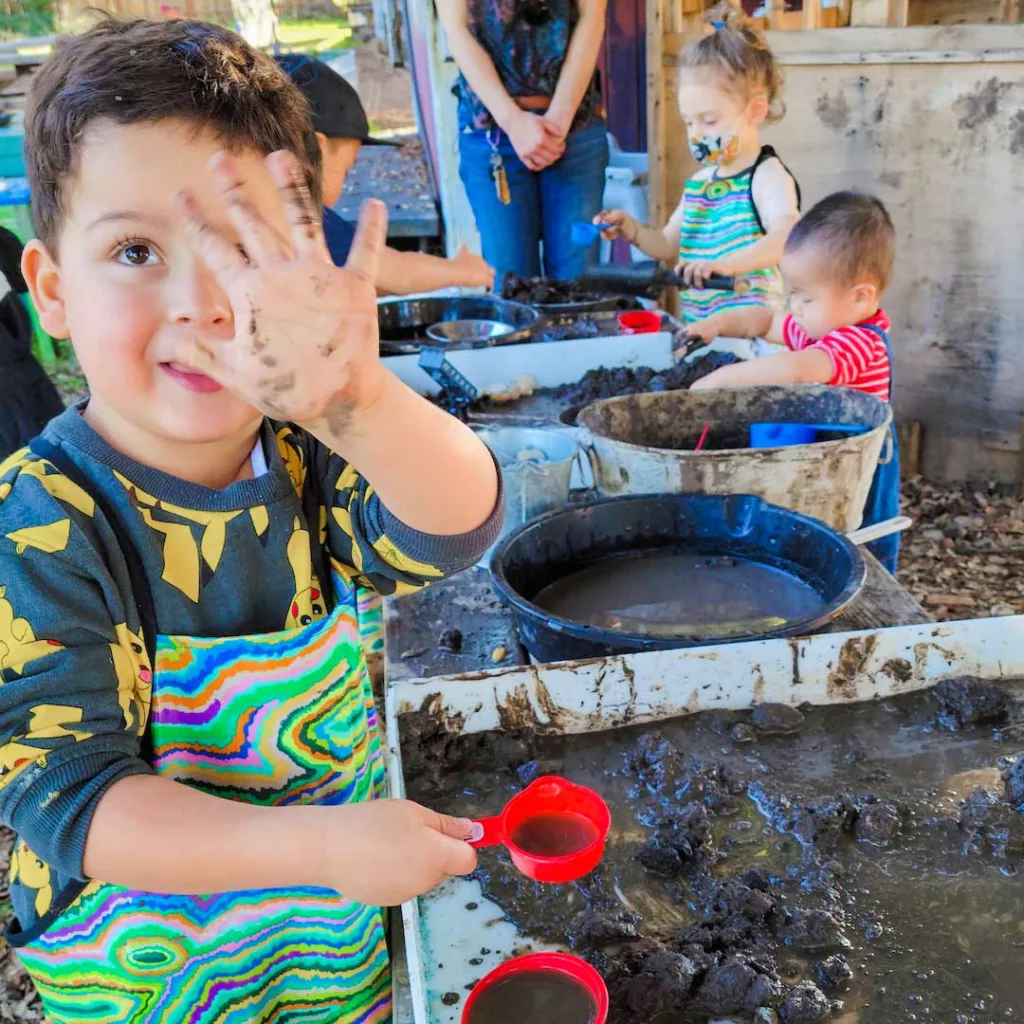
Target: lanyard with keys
x,y
498,174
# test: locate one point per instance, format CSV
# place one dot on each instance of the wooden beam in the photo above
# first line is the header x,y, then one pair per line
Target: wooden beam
x,y
811,14
1010,11
896,13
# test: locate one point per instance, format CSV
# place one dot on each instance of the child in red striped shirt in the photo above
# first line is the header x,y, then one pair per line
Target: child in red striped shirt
x,y
837,263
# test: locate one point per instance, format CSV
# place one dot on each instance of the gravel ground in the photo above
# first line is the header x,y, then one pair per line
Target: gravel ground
x,y
963,558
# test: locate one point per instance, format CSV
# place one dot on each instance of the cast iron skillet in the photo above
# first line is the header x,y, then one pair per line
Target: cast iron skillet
x,y
553,545
403,322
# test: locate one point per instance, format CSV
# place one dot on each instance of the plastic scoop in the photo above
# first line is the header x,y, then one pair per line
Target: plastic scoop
x,y
784,435
583,233
514,991
554,830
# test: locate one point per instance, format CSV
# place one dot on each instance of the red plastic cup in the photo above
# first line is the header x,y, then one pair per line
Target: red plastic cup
x,y
550,796
639,321
561,963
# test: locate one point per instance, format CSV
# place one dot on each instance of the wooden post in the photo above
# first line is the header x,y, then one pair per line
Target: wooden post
x,y
657,78
1010,11
812,14
897,13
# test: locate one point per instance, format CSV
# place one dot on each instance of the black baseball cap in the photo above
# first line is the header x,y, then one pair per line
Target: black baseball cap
x,y
337,110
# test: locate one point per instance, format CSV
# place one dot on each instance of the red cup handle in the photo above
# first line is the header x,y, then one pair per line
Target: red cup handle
x,y
487,832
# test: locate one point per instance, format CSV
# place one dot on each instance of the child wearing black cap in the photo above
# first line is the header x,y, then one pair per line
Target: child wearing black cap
x,y
342,128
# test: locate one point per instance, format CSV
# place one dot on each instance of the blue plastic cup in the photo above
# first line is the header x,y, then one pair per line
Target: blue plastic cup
x,y
784,435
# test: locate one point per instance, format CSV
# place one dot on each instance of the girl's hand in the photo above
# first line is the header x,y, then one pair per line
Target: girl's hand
x,y
617,224
533,142
697,272
386,852
473,270
306,345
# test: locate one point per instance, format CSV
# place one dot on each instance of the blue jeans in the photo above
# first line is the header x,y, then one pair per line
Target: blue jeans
x,y
544,205
884,503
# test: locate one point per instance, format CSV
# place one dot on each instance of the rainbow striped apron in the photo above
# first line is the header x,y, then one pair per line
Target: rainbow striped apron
x,y
274,719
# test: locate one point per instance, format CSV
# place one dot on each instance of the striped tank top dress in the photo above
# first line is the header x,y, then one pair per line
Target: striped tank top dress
x,y
719,217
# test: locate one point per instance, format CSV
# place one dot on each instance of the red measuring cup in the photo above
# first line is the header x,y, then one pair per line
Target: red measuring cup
x,y
572,967
639,321
554,830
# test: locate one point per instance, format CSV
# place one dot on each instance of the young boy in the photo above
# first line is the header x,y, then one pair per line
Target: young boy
x,y
188,746
837,264
342,129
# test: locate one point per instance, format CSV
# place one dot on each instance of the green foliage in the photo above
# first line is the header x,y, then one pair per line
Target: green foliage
x,y
26,18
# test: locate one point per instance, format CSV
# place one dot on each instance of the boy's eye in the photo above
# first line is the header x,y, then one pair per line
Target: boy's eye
x,y
136,254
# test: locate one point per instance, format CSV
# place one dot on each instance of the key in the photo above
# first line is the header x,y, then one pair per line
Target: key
x,y
500,180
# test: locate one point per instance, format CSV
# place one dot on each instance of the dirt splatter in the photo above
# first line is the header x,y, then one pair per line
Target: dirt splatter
x,y
981,105
853,658
833,112
1017,133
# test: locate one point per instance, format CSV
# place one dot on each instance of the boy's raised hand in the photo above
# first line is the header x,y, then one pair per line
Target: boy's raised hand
x,y
306,345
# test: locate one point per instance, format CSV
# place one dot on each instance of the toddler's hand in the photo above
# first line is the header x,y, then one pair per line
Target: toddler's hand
x,y
389,851
707,329
474,272
695,273
617,224
306,346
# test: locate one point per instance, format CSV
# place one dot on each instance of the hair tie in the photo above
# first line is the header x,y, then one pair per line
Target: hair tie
x,y
716,25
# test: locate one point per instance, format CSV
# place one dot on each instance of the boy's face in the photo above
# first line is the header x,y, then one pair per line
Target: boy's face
x,y
125,285
817,303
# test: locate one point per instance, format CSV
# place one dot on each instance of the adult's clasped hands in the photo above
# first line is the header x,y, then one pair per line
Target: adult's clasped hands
x,y
538,139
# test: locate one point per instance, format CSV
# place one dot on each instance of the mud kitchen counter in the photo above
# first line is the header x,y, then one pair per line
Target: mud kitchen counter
x,y
468,604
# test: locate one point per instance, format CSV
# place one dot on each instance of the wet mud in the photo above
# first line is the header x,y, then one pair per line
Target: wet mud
x,y
544,291
780,865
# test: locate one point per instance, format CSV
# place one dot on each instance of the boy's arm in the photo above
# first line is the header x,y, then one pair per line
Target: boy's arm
x,y
811,366
404,273
74,701
739,322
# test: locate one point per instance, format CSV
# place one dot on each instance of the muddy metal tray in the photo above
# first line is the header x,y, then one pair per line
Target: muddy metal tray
x,y
454,924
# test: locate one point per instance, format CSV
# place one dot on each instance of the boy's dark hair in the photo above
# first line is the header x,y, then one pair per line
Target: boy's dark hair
x,y
855,235
139,72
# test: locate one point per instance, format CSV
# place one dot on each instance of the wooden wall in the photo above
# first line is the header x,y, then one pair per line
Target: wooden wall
x,y
932,121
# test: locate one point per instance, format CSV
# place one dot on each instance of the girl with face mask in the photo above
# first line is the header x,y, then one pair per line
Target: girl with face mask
x,y
739,207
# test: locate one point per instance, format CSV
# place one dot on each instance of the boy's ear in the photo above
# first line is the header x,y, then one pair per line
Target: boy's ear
x,y
866,292
322,140
42,275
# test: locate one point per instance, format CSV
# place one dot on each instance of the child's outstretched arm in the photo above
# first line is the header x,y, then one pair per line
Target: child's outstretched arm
x,y
774,192
306,351
810,366
404,273
659,245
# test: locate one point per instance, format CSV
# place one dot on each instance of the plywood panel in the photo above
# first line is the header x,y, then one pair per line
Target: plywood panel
x,y
931,120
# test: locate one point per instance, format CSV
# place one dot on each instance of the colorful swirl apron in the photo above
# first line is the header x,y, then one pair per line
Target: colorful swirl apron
x,y
274,719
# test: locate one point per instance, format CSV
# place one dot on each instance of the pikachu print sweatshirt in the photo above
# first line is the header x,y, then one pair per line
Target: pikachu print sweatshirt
x,y
75,665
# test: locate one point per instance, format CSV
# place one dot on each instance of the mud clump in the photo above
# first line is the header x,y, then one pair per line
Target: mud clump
x,y
685,841
740,984
813,931
663,983
776,719
573,331
804,1003
991,825
602,383
834,973
967,701
878,823
451,640
595,929
545,291
1013,777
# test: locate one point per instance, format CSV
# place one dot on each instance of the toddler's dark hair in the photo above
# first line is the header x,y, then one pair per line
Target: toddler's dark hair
x,y
739,55
853,232
141,72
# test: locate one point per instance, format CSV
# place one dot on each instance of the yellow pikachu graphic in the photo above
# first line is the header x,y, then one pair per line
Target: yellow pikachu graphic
x,y
308,603
18,643
28,869
134,677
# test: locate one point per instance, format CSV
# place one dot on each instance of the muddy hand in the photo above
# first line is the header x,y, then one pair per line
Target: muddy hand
x,y
306,344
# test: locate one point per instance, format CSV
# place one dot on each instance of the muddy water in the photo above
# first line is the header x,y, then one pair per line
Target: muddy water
x,y
534,997
554,835
750,870
667,592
